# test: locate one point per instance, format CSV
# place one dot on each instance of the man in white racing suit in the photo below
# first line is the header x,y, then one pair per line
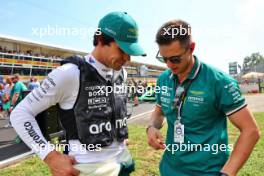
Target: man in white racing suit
x,y
98,149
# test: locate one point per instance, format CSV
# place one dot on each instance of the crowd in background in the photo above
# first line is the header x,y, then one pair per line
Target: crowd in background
x,y
12,86
26,53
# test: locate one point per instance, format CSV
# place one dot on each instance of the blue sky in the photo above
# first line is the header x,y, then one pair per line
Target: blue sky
x,y
224,31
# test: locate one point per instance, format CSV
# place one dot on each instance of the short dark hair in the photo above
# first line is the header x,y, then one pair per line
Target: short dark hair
x,y
105,39
166,35
16,76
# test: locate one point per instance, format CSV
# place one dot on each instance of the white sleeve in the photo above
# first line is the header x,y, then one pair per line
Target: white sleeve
x,y
51,92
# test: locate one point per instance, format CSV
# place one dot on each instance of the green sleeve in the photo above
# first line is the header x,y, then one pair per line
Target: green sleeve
x,y
230,99
17,88
24,87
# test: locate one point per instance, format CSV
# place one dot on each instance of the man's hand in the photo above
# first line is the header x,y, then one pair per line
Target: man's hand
x,y
126,142
155,138
61,165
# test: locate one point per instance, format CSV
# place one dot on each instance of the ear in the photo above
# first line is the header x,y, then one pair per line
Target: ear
x,y
192,46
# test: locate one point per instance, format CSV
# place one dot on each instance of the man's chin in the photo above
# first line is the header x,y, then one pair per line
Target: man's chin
x,y
117,67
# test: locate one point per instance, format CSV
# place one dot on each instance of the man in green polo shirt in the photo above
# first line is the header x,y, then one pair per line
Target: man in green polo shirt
x,y
16,94
197,100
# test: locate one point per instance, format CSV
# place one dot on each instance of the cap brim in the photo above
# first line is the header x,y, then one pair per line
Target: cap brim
x,y
132,49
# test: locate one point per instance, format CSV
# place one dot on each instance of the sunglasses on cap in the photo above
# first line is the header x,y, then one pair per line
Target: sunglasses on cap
x,y
173,59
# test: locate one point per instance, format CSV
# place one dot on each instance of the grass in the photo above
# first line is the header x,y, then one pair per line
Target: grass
x,y
255,164
147,159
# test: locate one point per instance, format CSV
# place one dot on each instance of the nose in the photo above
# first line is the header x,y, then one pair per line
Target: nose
x,y
169,64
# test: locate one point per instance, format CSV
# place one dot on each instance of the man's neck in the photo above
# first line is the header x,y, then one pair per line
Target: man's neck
x,y
97,55
184,75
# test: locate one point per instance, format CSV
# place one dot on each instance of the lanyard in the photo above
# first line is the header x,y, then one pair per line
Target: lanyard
x,y
179,99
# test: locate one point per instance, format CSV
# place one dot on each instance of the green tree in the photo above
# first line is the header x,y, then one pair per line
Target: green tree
x,y
250,62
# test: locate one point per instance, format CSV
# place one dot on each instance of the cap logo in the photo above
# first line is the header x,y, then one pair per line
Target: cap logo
x,y
110,31
133,30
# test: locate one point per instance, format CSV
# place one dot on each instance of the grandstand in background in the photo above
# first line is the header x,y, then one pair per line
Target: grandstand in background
x,y
29,58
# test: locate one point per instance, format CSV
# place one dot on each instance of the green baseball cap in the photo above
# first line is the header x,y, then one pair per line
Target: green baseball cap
x,y
123,28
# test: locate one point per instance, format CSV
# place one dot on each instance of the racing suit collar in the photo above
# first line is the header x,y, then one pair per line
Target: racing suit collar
x,y
104,71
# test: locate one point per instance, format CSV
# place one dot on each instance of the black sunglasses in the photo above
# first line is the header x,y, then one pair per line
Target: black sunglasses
x,y
173,59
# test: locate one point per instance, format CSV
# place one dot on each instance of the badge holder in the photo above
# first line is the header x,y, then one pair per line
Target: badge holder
x,y
178,132
179,127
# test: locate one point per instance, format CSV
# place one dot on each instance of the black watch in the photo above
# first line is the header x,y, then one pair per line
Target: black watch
x,y
222,174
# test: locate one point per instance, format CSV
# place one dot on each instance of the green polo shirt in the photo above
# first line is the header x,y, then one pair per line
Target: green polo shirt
x,y
19,87
211,97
